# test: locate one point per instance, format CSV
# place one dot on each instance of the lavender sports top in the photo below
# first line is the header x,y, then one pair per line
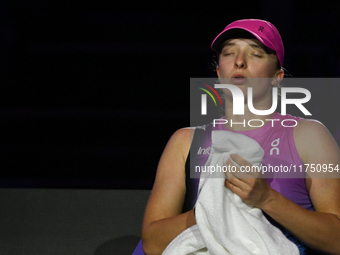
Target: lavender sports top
x,y
279,148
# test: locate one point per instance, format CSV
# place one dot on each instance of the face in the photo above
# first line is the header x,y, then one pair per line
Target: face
x,y
243,59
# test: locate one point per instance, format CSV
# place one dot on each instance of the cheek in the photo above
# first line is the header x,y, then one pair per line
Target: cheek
x,y
271,68
224,68
265,71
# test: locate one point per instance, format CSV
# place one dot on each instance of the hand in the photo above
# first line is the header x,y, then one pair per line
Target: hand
x,y
252,188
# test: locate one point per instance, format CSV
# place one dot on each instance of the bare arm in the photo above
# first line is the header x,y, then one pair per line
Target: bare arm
x,y
320,229
163,219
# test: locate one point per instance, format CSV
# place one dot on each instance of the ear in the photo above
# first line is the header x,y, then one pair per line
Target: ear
x,y
218,72
278,77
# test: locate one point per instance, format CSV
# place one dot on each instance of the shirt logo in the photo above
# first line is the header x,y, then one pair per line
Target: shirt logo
x,y
274,145
204,151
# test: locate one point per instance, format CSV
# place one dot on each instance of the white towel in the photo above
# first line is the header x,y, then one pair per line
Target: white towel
x,y
225,224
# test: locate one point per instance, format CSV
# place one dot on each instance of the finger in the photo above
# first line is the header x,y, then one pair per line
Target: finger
x,y
231,186
235,171
228,174
234,188
236,182
239,160
230,165
247,170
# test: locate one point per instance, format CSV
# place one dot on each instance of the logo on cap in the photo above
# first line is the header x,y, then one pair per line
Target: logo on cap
x,y
261,28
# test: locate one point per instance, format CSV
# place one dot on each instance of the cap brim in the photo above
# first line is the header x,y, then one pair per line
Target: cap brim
x,y
230,33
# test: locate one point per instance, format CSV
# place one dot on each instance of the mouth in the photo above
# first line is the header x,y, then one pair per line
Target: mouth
x,y
238,79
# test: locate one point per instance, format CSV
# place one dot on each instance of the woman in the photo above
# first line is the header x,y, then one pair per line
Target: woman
x,y
253,49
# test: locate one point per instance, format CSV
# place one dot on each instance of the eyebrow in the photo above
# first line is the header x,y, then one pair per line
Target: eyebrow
x,y
227,44
254,45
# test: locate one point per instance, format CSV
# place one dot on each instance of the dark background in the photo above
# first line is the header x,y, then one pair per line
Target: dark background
x,y
91,91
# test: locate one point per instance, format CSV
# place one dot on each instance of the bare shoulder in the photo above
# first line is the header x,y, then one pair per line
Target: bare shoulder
x,y
313,141
169,188
318,150
180,141
176,150
177,147
310,127
183,135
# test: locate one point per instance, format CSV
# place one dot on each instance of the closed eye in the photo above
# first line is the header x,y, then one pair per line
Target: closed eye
x,y
256,54
227,53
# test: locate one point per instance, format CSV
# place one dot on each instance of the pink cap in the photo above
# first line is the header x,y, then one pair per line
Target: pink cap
x,y
263,30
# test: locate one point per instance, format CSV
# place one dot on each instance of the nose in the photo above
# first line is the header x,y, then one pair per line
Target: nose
x,y
240,61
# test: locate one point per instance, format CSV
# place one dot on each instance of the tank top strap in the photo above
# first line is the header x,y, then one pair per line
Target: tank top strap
x,y
192,183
